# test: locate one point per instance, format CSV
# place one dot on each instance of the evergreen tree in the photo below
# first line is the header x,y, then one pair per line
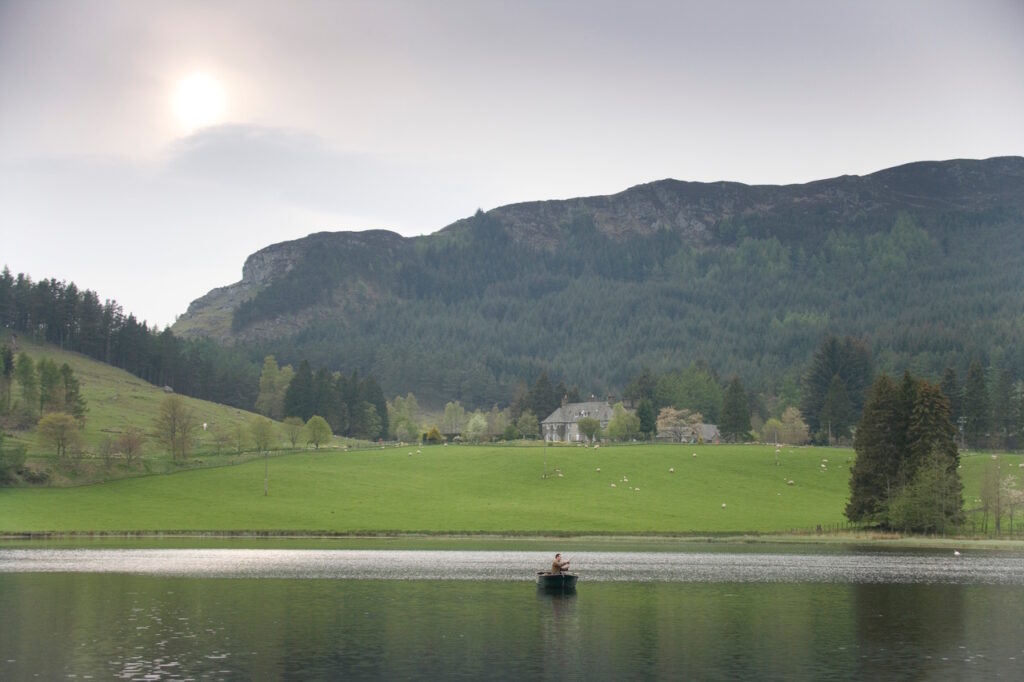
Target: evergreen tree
x,y
299,399
642,386
51,396
951,388
976,407
25,374
74,403
847,359
734,424
836,413
648,418
543,398
878,445
6,375
1004,420
905,473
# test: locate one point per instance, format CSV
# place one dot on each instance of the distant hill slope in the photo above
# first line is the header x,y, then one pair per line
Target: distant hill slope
x,y
117,400
923,261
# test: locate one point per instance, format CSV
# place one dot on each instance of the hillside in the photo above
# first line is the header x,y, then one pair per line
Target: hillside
x,y
117,400
922,261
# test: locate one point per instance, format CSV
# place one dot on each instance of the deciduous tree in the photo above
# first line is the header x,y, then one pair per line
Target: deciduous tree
x,y
624,425
263,433
293,430
318,431
175,426
589,428
60,431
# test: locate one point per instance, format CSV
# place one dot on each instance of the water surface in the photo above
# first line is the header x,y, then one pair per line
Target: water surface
x,y
350,614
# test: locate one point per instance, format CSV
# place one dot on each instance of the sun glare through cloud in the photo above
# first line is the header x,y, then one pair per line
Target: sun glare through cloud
x,y
199,101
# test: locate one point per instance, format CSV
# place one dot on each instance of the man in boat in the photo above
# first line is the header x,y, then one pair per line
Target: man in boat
x,y
557,566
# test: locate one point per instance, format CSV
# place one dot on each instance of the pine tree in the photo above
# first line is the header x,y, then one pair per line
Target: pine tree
x,y
906,470
976,407
734,424
951,388
298,399
648,418
848,359
878,445
836,414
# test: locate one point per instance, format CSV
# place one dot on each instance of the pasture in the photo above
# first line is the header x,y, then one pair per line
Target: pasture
x,y
635,489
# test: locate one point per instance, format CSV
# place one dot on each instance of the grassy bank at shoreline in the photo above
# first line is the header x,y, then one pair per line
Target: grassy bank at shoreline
x,y
767,543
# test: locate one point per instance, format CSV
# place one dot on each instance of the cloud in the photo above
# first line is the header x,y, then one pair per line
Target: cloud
x,y
307,172
155,235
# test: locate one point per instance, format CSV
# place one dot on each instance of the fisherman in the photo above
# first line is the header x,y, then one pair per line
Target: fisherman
x,y
557,566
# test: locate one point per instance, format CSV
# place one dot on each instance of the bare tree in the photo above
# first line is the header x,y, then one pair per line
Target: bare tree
x,y
175,426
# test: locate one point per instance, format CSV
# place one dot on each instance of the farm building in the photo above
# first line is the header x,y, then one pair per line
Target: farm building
x,y
562,424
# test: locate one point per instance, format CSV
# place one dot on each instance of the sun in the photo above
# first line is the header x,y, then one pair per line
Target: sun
x,y
199,101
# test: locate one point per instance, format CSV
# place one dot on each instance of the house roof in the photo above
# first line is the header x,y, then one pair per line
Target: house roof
x,y
573,412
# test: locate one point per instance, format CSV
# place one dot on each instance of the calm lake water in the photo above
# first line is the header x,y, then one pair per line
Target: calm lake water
x,y
349,614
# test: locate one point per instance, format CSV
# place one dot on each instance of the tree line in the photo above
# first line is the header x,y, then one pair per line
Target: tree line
x,y
52,311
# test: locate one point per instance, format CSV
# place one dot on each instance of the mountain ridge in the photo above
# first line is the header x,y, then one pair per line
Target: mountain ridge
x,y
648,235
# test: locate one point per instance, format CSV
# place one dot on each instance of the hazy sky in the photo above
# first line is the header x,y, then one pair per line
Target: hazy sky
x,y
146,148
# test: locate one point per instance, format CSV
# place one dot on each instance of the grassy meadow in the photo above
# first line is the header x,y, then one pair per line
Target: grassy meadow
x,y
465,489
470,489
611,490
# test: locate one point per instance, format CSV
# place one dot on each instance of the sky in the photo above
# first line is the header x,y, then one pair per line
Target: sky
x,y
147,148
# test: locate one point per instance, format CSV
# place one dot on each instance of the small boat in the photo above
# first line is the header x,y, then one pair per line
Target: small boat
x,y
564,582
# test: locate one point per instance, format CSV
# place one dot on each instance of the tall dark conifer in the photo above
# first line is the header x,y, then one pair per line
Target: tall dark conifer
x,y
847,359
879,445
976,407
299,399
734,423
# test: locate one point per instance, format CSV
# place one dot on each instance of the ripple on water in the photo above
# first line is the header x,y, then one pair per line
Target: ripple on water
x,y
866,567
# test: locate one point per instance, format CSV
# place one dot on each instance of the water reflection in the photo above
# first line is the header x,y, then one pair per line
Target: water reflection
x,y
850,568
262,615
61,625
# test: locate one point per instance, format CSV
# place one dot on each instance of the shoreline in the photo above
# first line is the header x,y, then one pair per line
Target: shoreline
x,y
418,540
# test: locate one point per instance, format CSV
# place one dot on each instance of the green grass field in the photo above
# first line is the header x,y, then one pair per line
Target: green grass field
x,y
472,489
454,489
465,489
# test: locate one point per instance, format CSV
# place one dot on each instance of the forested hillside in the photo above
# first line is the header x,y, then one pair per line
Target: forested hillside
x,y
922,262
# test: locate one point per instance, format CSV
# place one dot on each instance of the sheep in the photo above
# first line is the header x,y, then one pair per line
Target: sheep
x,y
598,469
671,470
613,485
723,505
790,482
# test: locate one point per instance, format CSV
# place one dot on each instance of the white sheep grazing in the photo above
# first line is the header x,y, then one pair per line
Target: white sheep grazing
x,y
671,470
613,485
694,454
636,490
789,482
598,469
723,505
